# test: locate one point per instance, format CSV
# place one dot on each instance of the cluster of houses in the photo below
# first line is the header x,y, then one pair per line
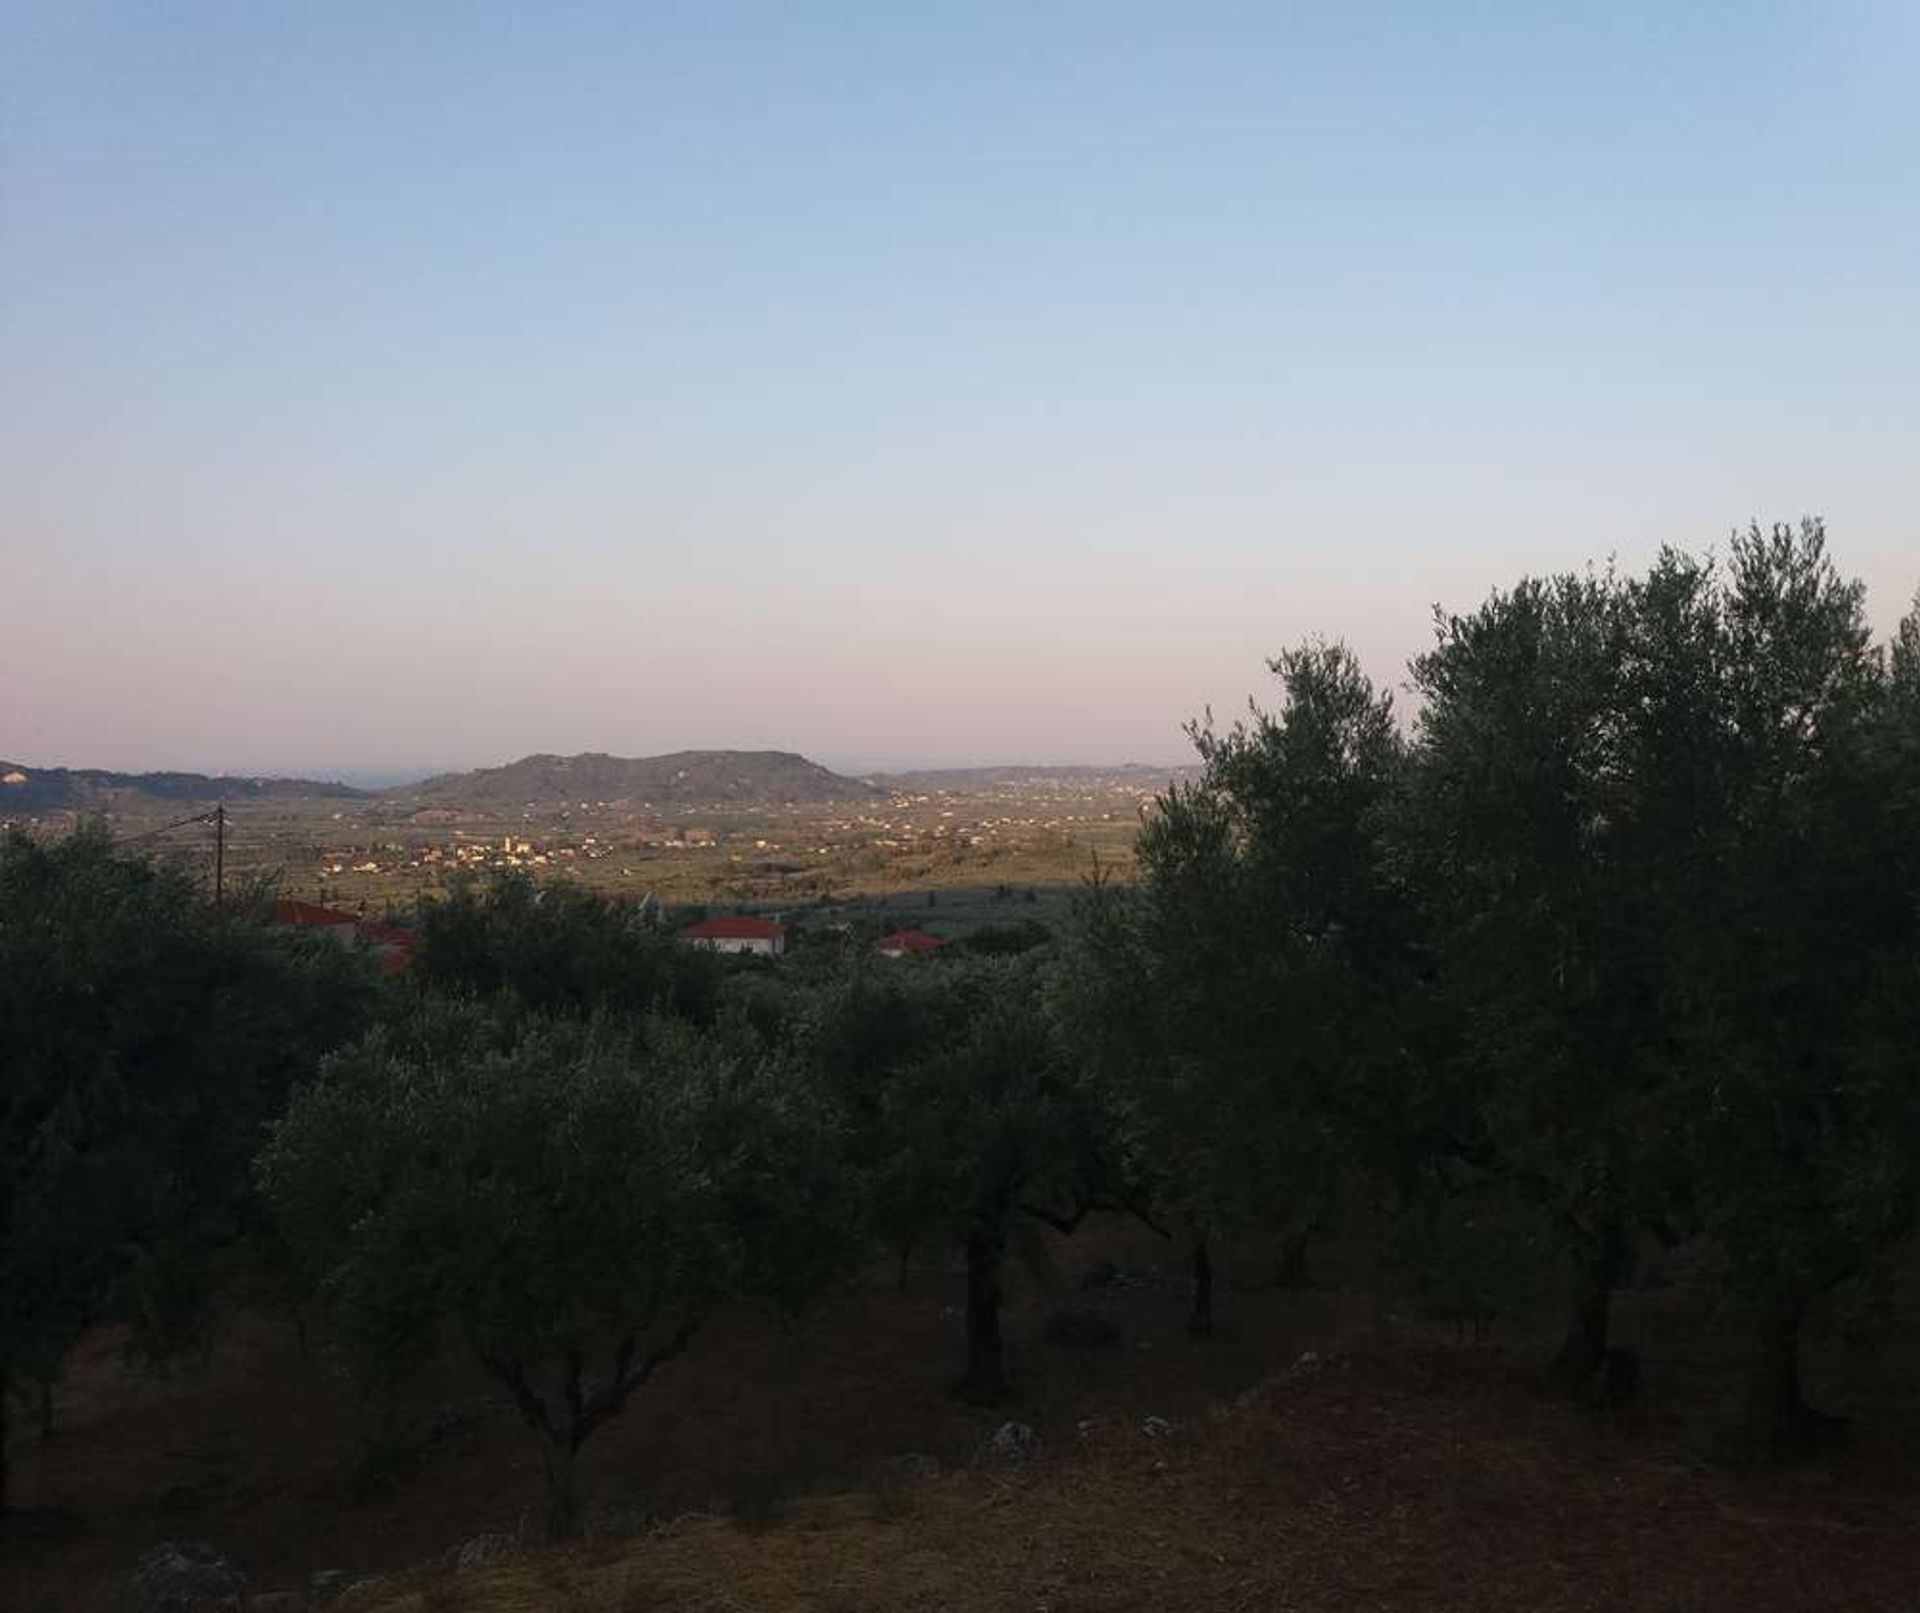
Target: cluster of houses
x,y
464,853
767,938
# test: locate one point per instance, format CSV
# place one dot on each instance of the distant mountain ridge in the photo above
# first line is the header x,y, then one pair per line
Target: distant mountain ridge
x,y
678,779
681,778
30,791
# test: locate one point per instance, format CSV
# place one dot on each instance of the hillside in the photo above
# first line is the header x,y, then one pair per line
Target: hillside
x,y
684,778
32,791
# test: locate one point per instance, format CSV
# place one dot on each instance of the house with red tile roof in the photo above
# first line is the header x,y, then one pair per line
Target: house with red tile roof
x,y
345,927
391,945
738,932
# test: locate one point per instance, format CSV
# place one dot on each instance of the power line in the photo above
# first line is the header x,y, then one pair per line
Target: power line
x,y
218,818
165,828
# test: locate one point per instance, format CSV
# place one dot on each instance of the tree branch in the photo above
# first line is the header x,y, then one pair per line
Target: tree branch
x,y
629,1375
1068,1224
510,1373
1063,1224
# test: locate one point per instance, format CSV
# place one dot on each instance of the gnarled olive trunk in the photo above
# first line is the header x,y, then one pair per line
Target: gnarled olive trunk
x,y
1200,1319
1292,1269
986,1354
1602,1258
1784,1426
564,1512
566,1420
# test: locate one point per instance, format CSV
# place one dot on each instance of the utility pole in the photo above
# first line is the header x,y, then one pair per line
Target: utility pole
x,y
219,852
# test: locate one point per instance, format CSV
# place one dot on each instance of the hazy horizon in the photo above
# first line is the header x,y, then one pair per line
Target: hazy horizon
x,y
471,382
377,778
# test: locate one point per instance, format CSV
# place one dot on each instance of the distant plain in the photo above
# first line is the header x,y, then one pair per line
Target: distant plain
x,y
950,848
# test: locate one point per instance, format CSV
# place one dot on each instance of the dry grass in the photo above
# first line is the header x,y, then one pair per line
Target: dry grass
x,y
1414,1481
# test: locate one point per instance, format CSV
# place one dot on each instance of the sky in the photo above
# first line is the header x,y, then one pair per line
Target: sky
x,y
415,386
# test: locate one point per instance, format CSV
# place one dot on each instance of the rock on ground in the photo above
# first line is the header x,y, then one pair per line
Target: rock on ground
x,y
1012,1444
184,1576
483,1551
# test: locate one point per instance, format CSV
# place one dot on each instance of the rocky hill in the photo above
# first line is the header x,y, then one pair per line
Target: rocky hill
x,y
684,778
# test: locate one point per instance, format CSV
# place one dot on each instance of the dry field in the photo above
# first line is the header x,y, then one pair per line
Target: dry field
x,y
373,852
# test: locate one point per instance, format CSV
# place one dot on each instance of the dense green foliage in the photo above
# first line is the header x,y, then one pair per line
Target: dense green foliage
x,y
1650,831
560,948
1620,943
146,1038
964,1114
1248,1004
571,1200
968,1115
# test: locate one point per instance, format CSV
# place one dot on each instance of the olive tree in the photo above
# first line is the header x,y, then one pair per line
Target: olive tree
x,y
571,1202
561,948
1514,821
859,1030
145,1038
1245,1003
976,1121
1655,825
1801,961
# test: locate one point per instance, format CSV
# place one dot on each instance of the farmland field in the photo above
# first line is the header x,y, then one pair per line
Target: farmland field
x,y
952,850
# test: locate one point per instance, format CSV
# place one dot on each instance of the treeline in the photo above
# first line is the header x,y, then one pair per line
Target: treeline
x,y
1613,946
1616,945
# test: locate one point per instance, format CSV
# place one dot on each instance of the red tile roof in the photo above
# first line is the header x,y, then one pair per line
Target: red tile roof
x,y
394,944
910,941
734,927
324,918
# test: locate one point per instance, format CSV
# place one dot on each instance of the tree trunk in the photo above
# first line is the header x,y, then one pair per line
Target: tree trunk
x,y
1600,1261
906,1254
46,1408
1200,1321
1784,1425
563,1489
1292,1272
6,1399
986,1356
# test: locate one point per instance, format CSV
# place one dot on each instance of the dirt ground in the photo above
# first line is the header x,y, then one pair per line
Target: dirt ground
x,y
1400,1469
1427,1481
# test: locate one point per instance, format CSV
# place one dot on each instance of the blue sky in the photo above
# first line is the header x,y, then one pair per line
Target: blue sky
x,y
430,384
